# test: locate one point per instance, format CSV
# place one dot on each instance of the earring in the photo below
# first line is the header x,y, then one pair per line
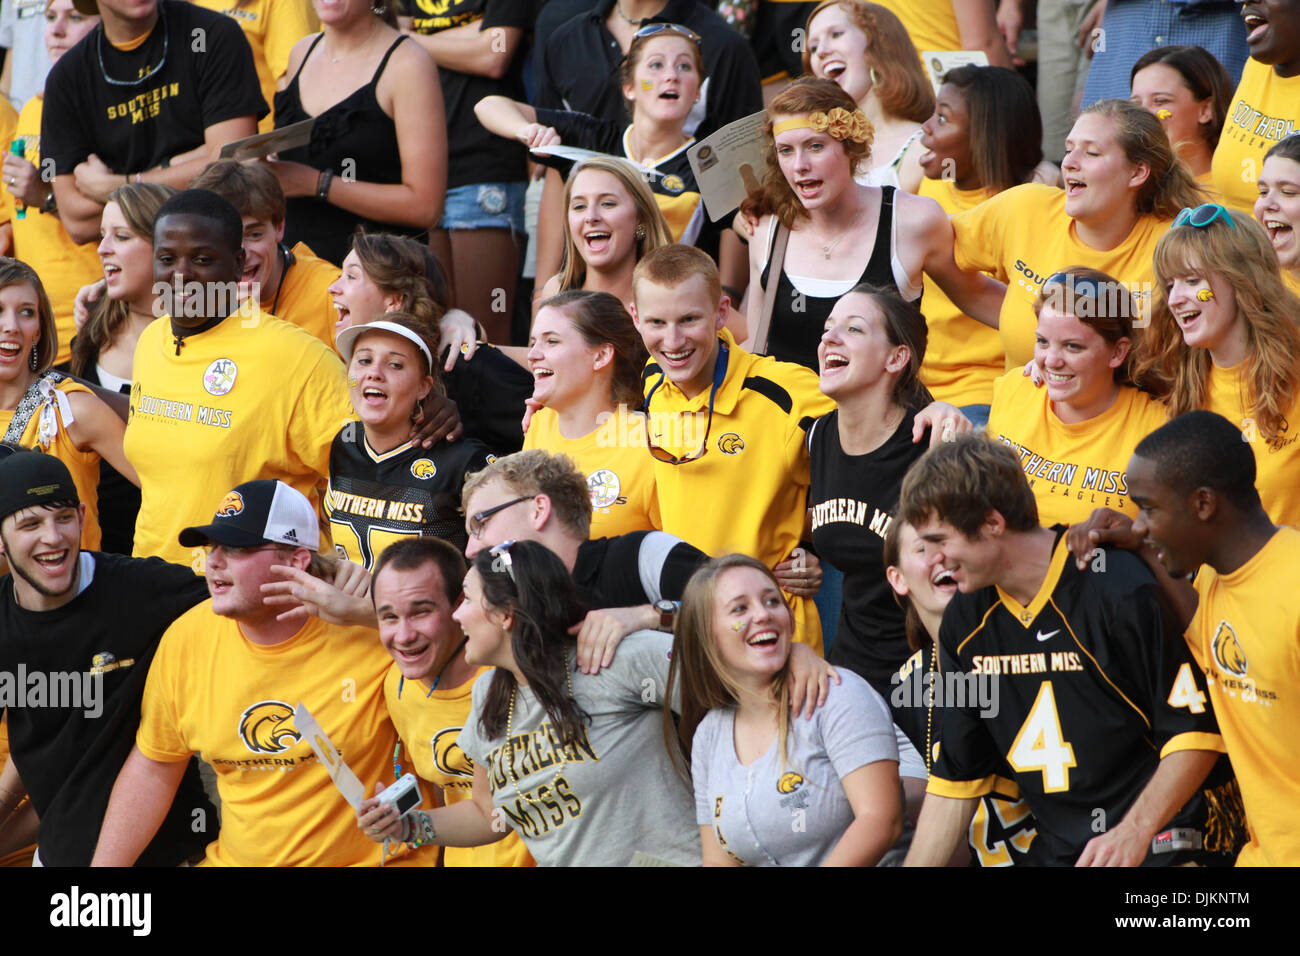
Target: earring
x,y
378,8
34,361
639,232
875,77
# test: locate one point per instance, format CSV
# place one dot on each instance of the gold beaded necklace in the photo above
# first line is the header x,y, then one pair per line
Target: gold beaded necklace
x,y
510,740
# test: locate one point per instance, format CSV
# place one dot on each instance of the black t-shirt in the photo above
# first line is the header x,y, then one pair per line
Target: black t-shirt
x,y
1078,700
632,569
578,66
489,391
205,76
779,36
853,499
69,761
473,154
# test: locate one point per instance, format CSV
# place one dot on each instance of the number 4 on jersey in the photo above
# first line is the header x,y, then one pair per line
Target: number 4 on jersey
x,y
1040,745
1185,693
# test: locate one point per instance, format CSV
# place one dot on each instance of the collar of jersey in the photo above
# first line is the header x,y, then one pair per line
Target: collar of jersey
x,y
627,151
375,456
1026,615
738,364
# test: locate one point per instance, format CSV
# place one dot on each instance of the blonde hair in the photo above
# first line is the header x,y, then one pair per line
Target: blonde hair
x,y
573,270
1169,186
1243,258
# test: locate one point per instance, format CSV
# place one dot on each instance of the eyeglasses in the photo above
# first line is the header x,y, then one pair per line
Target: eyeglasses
x,y
1203,215
99,49
501,559
719,374
653,29
478,520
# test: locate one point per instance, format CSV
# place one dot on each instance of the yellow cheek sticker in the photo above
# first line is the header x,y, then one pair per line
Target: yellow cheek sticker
x,y
1204,295
737,626
647,85
1163,114
353,382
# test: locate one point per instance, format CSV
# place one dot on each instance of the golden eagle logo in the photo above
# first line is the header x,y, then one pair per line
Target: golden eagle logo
x,y
673,184
731,444
106,661
433,8
447,755
789,782
1227,651
423,468
231,505
266,726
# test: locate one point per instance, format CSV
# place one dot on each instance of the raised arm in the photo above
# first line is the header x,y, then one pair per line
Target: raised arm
x,y
978,28
977,295
98,427
141,797
512,119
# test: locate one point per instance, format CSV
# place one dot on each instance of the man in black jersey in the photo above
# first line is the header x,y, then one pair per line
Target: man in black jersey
x,y
1091,711
151,94
87,622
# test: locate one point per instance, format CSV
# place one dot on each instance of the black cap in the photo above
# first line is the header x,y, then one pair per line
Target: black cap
x,y
259,512
29,478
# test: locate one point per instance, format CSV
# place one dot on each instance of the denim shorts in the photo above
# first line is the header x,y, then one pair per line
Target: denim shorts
x,y
485,206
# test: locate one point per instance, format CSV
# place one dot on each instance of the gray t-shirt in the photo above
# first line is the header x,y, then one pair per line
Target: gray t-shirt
x,y
616,792
769,815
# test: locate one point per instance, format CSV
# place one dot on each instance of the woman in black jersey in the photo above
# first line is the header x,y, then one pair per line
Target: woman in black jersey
x,y
378,151
383,486
870,356
840,233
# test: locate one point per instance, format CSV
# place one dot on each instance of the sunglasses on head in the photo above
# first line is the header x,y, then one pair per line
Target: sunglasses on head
x,y
1203,215
501,558
654,29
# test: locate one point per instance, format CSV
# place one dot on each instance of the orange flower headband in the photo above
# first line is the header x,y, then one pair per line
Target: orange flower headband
x,y
838,122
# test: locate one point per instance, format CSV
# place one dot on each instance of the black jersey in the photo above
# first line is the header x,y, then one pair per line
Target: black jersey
x,y
637,568
852,499
1002,828
374,500
1080,694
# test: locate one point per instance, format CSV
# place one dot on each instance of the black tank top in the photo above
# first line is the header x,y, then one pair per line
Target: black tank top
x,y
798,320
357,140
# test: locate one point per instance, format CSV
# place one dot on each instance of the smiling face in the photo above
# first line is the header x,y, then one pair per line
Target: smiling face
x,y
43,545
486,629
189,249
946,138
1160,89
855,352
1078,364
1165,520
64,27
262,263
920,574
562,363
127,259
666,81
390,379
752,626
415,618
1278,208
515,522
235,577
602,220
972,562
1205,308
1100,182
20,329
814,164
837,51
679,325
1273,33
357,299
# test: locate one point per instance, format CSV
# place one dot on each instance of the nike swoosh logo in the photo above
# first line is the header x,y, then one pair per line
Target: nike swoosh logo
x,y
1048,636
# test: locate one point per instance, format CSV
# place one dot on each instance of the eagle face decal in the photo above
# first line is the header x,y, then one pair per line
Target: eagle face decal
x,y
267,727
231,505
447,755
1227,650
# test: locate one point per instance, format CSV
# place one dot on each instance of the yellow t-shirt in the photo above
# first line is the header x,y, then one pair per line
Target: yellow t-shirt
x,y
932,24
83,465
749,492
1265,108
619,470
304,298
1023,235
962,356
244,400
41,241
8,123
1277,465
271,27
1292,280
213,692
429,725
1072,469
1246,636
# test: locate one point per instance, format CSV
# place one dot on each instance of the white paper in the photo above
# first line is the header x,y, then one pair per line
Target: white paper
x,y
728,164
939,62
578,155
353,790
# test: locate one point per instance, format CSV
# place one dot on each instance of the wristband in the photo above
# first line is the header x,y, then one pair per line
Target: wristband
x,y
323,184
